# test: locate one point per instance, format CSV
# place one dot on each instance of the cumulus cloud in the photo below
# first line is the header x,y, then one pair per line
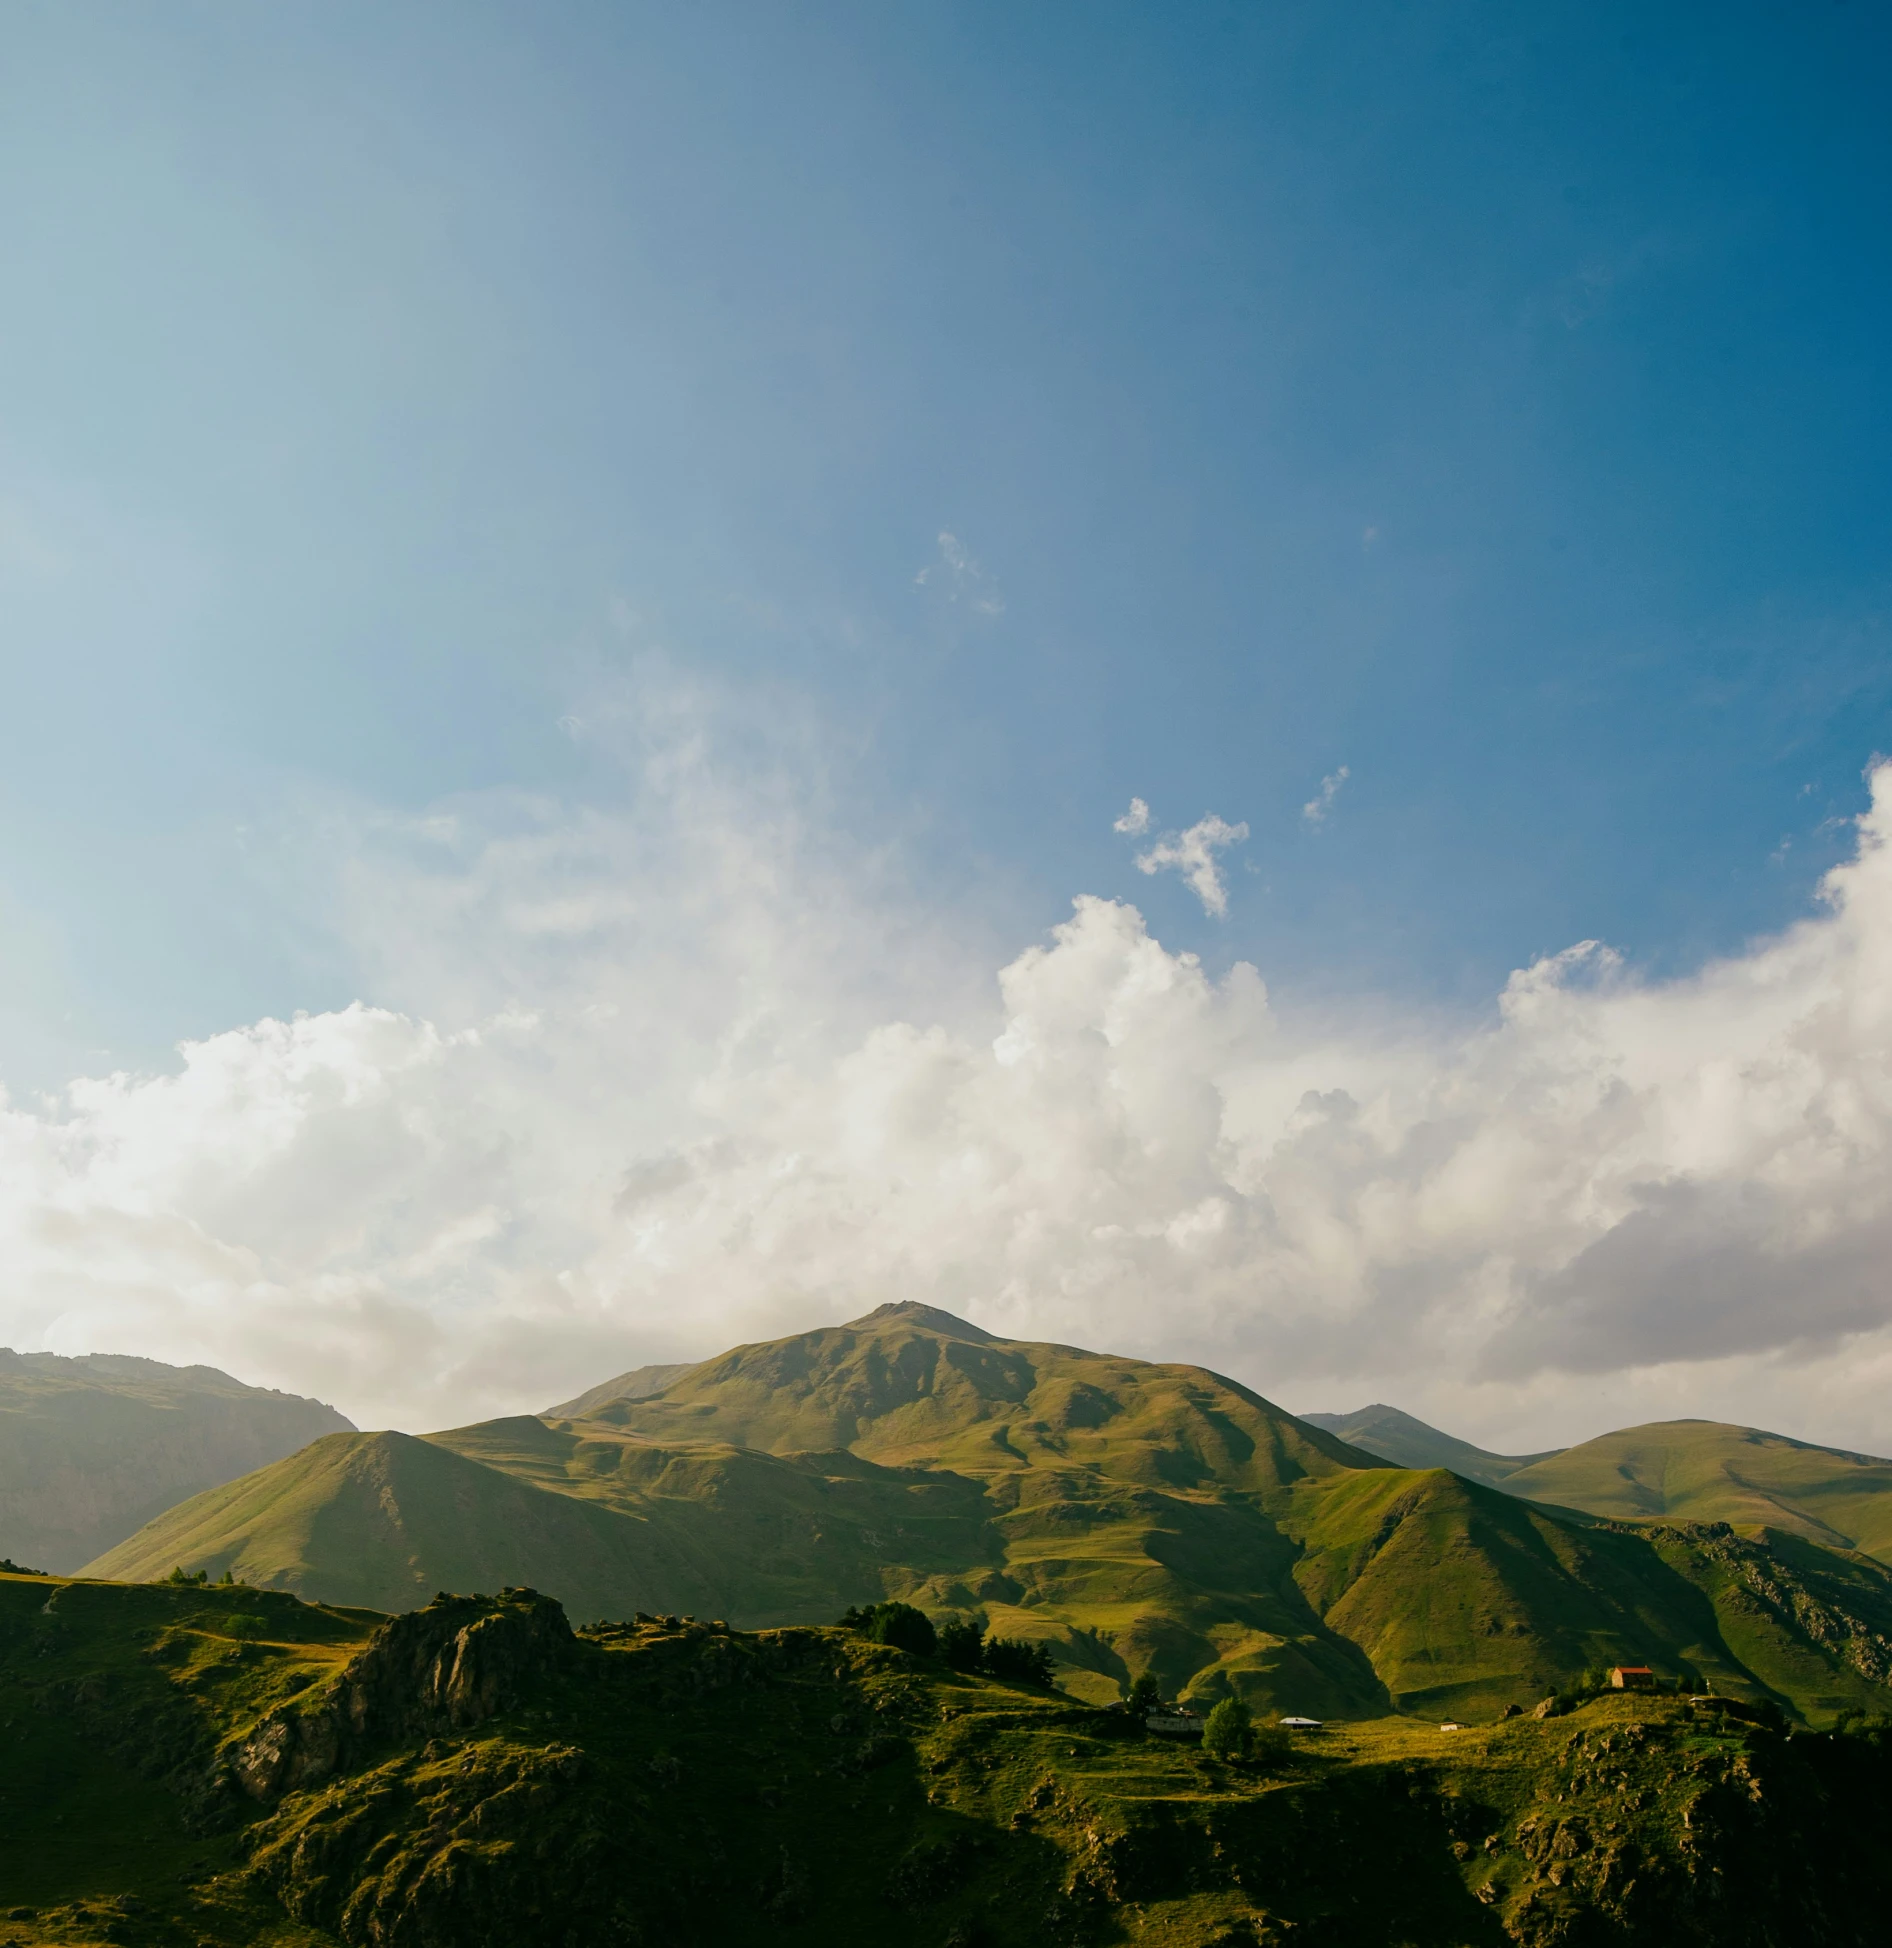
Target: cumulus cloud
x,y
956,575
1316,809
1136,821
1192,853
617,1099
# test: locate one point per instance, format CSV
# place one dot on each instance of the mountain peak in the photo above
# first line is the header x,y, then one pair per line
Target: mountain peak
x,y
909,1312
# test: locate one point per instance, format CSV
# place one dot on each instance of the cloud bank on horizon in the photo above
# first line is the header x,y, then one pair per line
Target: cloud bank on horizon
x,y
623,1103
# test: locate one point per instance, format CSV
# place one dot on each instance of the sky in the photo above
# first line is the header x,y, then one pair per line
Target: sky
x,y
1204,680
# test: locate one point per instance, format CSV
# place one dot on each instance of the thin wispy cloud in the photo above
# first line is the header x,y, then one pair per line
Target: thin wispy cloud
x,y
1315,811
957,576
1136,821
1192,853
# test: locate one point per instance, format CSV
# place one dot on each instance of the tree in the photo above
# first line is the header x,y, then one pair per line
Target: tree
x,y
1230,1732
904,1627
962,1645
1013,1661
1145,1695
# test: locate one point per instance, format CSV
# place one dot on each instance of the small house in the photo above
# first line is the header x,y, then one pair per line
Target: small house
x,y
1300,1724
1454,1725
1632,1677
1175,1721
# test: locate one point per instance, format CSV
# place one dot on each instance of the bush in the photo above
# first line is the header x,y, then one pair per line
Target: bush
x,y
1230,1732
904,1627
1269,1745
1013,1661
962,1645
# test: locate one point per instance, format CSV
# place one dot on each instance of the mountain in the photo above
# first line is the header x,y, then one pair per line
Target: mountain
x,y
1410,1443
92,1448
232,1766
1708,1471
1137,1518
638,1384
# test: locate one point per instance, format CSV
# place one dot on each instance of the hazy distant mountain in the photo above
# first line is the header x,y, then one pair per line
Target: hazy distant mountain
x,y
1410,1443
92,1448
1135,1517
638,1384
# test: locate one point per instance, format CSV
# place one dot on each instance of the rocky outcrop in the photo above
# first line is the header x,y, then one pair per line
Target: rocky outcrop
x,y
445,1668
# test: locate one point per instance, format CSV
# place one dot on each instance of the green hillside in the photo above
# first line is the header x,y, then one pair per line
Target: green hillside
x,y
1135,1518
1707,1471
385,1520
92,1448
1408,1443
229,1768
638,1384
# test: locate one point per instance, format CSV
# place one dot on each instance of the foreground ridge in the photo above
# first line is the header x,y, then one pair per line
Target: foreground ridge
x,y
230,1766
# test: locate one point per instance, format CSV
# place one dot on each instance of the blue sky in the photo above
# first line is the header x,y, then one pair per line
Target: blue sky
x,y
997,413
1494,404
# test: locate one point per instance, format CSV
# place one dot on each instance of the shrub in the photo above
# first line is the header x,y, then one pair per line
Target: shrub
x,y
1145,1695
1269,1745
962,1645
1229,1734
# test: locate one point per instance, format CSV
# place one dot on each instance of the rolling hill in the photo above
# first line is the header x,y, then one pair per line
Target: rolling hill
x,y
1135,1517
1683,1470
1410,1443
92,1448
1709,1471
232,1768
638,1384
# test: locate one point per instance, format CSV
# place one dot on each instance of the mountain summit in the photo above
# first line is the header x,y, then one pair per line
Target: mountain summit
x,y
910,1312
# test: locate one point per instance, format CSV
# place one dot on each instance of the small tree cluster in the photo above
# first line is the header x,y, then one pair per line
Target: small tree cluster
x,y
1012,1660
182,1575
1232,1735
898,1624
963,1645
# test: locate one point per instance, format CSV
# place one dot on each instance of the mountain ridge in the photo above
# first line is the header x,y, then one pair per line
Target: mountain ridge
x,y
1137,1518
94,1446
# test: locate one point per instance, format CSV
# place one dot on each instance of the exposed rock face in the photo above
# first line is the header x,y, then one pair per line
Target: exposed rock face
x,y
449,1667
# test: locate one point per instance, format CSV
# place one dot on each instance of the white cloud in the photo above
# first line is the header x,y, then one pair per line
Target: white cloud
x,y
1192,853
624,1098
961,579
1316,809
1136,821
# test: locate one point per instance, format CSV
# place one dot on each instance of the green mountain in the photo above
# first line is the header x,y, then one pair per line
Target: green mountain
x,y
1136,1518
638,1384
1410,1443
1707,1471
234,1769
92,1448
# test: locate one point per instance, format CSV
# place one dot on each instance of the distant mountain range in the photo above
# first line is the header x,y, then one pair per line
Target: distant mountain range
x,y
1684,1470
92,1448
1135,1517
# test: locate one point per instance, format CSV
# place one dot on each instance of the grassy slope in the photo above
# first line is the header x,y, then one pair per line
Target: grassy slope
x,y
1706,1471
386,1520
638,1384
806,1788
1410,1443
92,1448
